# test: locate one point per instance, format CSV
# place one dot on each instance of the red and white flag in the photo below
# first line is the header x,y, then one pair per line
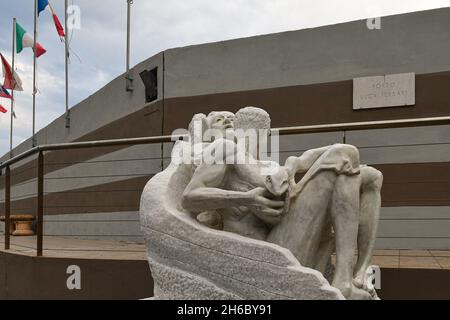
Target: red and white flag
x,y
45,5
10,76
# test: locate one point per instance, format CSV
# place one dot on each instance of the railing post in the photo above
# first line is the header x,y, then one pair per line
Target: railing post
x,y
7,207
40,203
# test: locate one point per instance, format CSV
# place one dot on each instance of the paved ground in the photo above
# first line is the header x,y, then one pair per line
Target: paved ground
x,y
59,247
412,259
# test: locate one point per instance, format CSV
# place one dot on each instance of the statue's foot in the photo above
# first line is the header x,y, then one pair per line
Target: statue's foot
x,y
351,292
360,282
359,294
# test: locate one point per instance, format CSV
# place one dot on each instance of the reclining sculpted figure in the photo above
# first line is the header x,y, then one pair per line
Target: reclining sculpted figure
x,y
333,208
232,228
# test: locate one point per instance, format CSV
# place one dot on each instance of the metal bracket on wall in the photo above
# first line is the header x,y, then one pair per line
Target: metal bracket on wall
x,y
68,119
129,79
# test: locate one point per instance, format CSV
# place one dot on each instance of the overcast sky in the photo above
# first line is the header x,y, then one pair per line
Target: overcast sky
x,y
156,25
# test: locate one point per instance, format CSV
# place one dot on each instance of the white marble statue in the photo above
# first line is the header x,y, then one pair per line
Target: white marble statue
x,y
240,215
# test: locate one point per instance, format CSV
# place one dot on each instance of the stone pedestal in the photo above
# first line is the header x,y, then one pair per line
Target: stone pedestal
x,y
20,224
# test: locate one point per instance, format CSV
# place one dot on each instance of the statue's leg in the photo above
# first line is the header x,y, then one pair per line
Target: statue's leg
x,y
326,248
301,230
371,181
344,208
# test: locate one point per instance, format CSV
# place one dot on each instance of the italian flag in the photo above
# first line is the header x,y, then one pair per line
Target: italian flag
x,y
25,40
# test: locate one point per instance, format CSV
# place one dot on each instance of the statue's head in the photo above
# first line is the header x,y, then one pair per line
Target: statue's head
x,y
220,120
278,183
252,118
252,127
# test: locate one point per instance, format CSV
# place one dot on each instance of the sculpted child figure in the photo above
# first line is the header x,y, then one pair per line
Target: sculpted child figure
x,y
333,208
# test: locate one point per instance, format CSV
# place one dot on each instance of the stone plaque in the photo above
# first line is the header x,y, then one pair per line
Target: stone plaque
x,y
384,91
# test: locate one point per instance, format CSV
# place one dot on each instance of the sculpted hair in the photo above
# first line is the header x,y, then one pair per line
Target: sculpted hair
x,y
252,118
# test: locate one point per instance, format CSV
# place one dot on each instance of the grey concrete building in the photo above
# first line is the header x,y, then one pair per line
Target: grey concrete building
x,y
300,77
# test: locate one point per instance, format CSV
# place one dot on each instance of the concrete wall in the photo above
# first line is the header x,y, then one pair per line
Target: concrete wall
x,y
118,226
33,278
415,42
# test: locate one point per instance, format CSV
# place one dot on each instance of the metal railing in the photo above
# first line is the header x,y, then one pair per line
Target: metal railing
x,y
39,150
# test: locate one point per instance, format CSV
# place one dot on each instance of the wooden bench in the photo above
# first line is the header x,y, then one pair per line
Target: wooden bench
x,y
20,224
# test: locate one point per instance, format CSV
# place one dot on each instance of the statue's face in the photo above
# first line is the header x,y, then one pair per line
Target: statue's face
x,y
221,120
278,183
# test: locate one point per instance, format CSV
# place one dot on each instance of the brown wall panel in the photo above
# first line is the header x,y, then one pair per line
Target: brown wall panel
x,y
2,180
415,184
415,172
312,104
27,277
414,284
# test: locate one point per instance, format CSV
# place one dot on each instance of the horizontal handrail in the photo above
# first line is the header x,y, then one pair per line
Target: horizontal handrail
x,y
89,144
351,126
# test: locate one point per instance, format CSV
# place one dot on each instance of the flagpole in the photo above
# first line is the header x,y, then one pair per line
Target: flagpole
x,y
13,85
128,77
66,41
34,73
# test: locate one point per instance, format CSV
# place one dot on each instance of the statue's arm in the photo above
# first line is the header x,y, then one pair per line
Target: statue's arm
x,y
206,189
305,161
204,193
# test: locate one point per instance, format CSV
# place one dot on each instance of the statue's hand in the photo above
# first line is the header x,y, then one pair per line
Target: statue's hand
x,y
266,209
262,197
